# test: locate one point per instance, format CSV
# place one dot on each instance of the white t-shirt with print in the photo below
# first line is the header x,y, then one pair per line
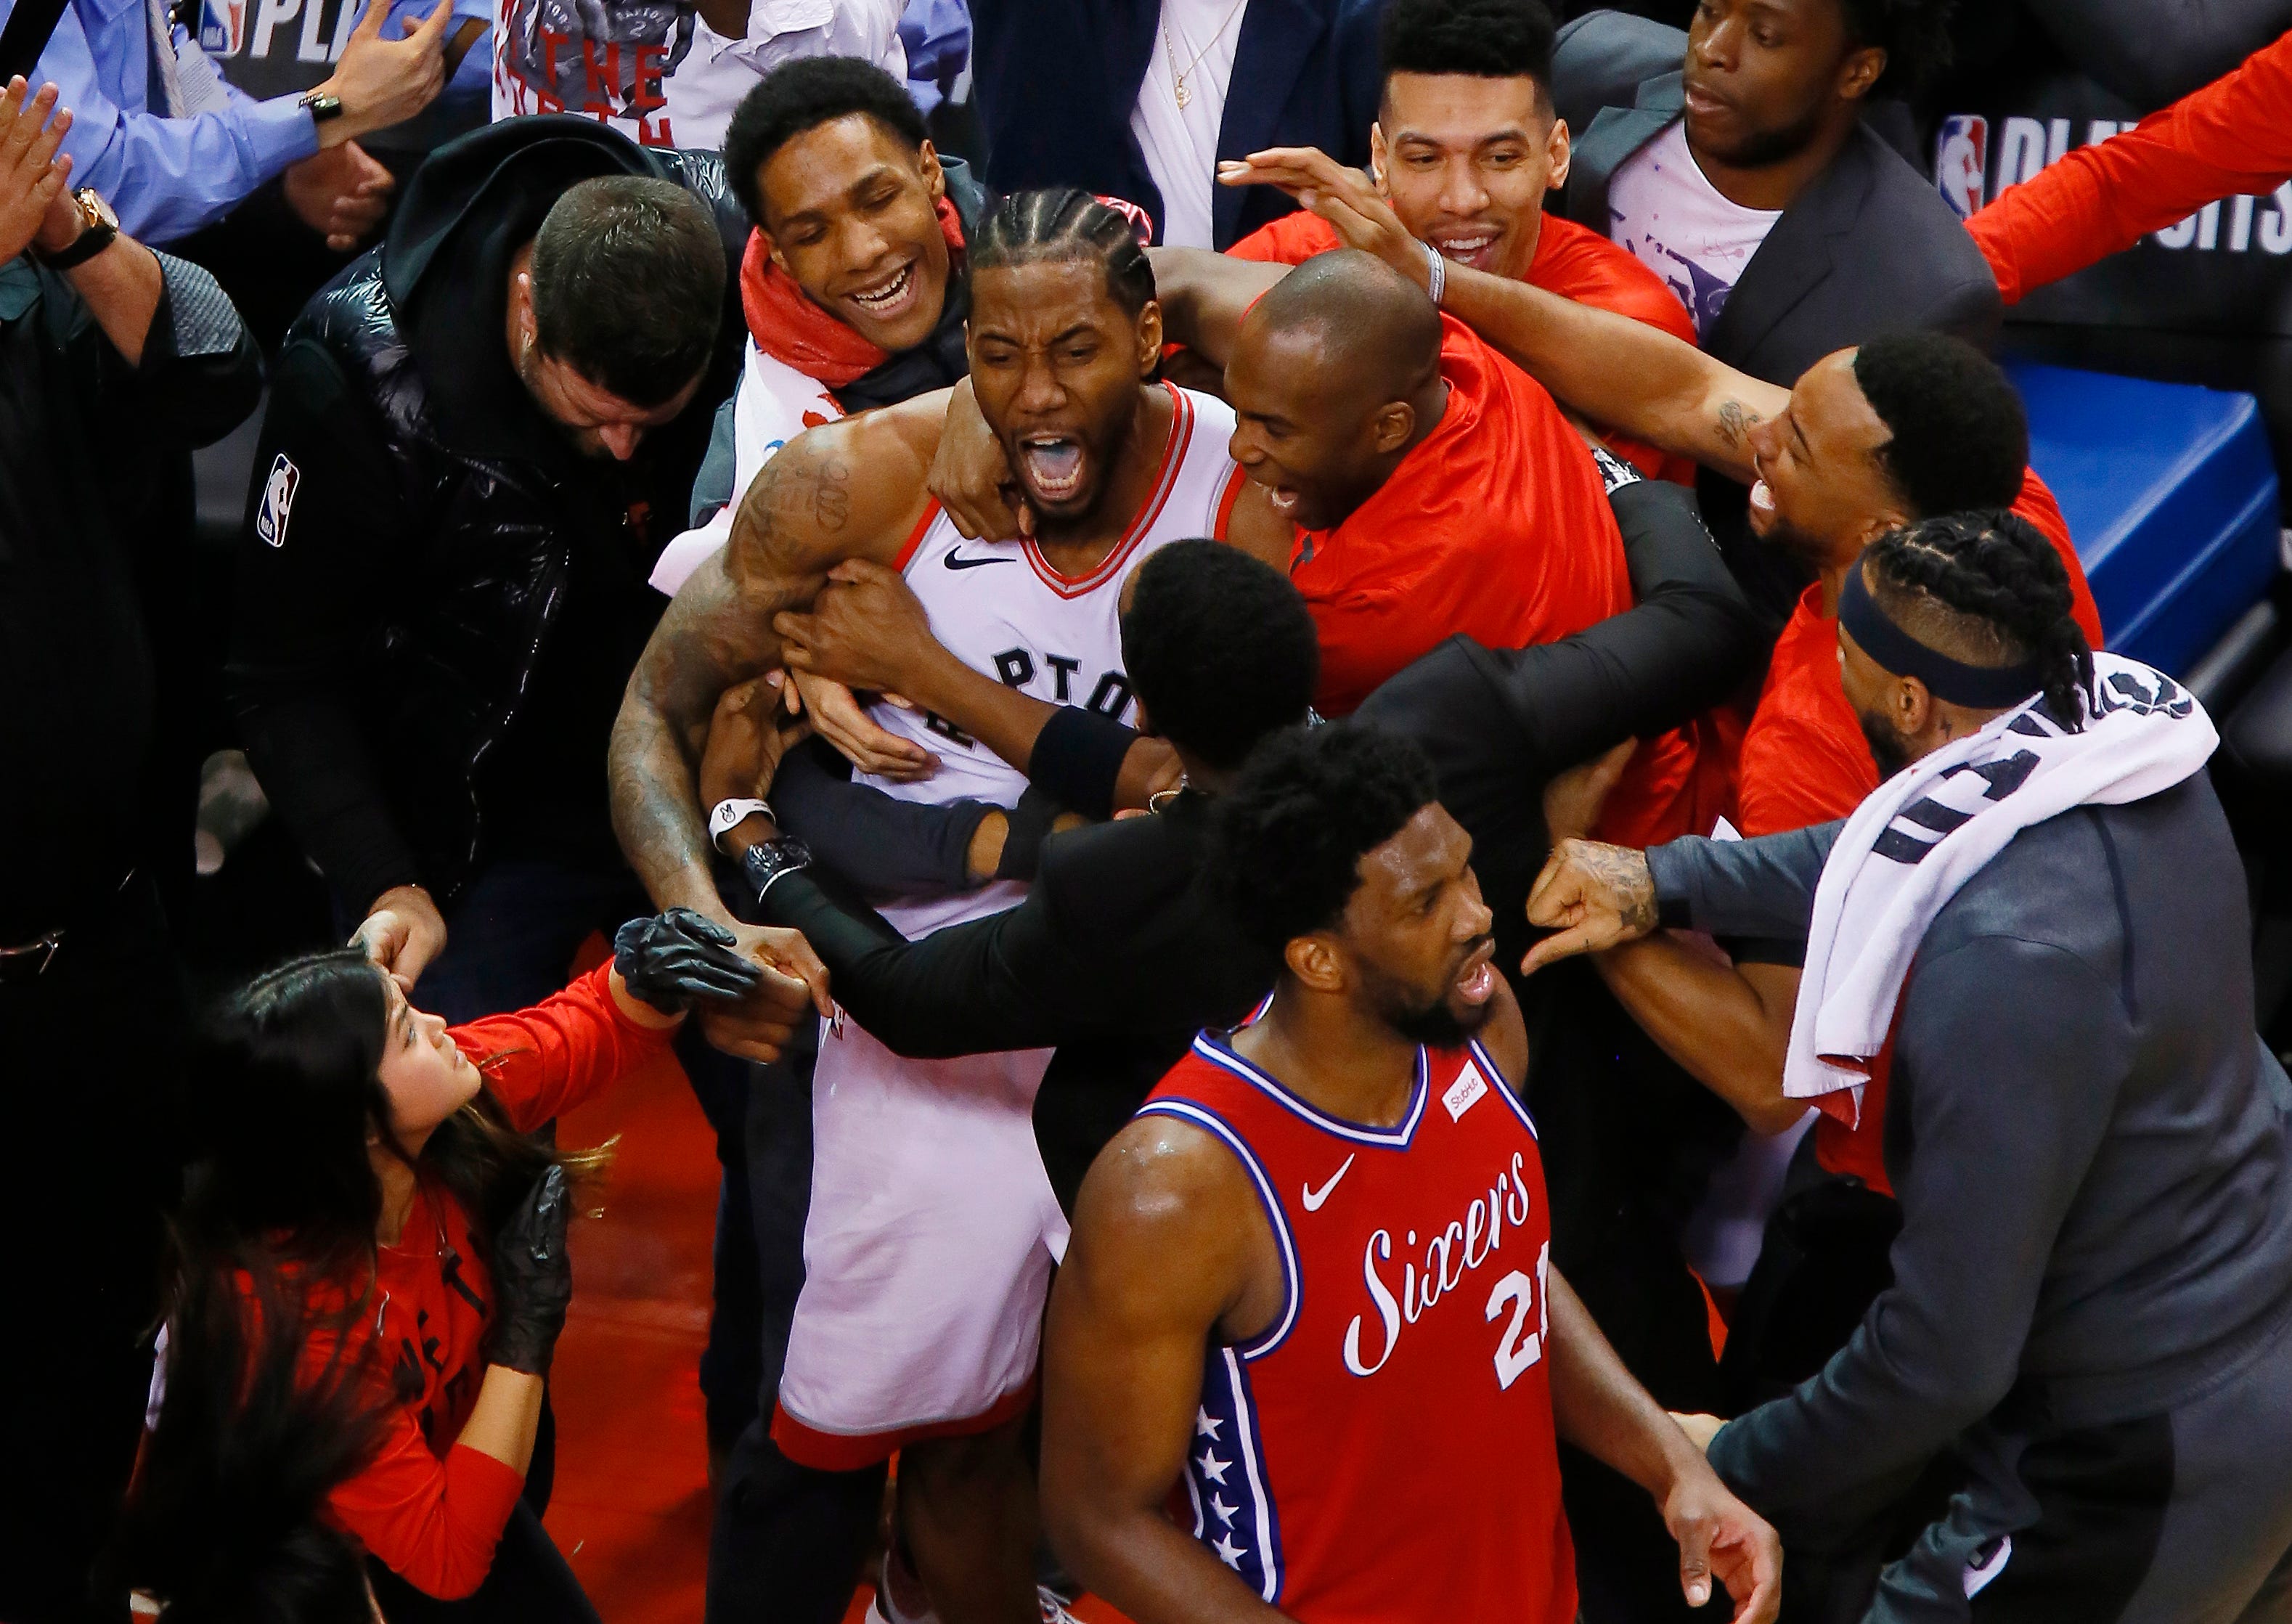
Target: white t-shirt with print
x,y
656,71
1180,143
1676,223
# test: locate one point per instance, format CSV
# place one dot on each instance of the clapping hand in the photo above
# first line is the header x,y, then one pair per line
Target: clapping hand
x,y
32,194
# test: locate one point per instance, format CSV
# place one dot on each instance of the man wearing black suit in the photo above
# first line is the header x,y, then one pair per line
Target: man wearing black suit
x,y
1119,96
1735,161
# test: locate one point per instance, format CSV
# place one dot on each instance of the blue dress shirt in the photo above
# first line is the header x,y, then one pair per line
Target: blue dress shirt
x,y
165,177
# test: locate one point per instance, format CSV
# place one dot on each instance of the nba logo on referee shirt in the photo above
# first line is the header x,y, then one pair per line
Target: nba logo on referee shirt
x,y
1962,162
277,502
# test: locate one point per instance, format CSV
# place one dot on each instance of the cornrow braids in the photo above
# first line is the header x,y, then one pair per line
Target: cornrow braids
x,y
1992,584
1065,223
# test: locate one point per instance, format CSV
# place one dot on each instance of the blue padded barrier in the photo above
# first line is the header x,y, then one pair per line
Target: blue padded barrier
x,y
2170,494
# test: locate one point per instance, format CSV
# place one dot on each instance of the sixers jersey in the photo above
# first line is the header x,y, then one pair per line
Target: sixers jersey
x,y
1000,607
1385,1449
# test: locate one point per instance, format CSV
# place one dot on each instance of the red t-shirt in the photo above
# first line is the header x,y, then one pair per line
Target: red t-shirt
x,y
430,1508
1495,525
1572,261
1806,762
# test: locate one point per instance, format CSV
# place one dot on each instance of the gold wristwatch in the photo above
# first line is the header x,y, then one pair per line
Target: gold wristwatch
x,y
98,230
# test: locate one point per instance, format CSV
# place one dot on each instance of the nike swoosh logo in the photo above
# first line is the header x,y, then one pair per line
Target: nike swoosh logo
x,y
1314,1198
956,560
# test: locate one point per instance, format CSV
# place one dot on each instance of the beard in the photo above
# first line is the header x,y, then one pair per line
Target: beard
x,y
1429,1022
1888,747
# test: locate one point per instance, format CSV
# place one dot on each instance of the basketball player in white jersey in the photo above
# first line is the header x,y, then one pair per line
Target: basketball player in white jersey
x,y
931,1232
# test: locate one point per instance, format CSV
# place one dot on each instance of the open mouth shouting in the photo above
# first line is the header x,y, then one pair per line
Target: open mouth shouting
x,y
1052,465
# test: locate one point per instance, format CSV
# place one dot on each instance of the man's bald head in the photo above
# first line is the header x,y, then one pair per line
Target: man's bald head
x,y
1375,331
1334,374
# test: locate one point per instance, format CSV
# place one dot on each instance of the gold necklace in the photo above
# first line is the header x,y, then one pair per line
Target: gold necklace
x,y
1177,74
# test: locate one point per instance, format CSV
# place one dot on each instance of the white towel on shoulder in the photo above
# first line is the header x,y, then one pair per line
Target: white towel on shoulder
x,y
1925,831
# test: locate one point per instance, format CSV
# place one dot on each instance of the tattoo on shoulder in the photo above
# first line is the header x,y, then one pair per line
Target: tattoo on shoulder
x,y
831,496
1735,420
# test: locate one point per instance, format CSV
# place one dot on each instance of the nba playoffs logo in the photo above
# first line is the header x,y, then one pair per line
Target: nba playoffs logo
x,y
1961,160
222,27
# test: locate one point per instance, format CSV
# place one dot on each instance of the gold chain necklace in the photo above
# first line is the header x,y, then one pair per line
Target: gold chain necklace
x,y
1177,74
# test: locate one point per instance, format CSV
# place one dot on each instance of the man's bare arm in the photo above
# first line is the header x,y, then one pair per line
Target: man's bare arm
x,y
805,511
1159,1257
1614,370
1638,380
1727,1025
1205,295
1599,1407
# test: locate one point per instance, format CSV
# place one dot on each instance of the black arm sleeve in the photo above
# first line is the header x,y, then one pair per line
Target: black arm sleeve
x,y
968,989
1690,638
882,846
325,526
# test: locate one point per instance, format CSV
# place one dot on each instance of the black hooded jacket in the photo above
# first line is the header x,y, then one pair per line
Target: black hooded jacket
x,y
439,599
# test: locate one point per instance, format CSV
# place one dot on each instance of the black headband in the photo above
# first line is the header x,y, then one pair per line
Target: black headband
x,y
1976,687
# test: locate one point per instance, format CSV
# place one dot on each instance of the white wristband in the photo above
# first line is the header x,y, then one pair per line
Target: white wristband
x,y
728,813
1438,269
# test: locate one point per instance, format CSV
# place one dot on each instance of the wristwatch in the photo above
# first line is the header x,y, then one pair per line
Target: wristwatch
x,y
322,105
768,862
99,229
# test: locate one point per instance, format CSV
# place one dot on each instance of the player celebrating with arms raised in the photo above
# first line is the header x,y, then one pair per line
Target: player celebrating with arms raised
x,y
1312,1277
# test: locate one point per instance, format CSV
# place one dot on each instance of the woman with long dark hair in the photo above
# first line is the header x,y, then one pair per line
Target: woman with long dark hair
x,y
369,1276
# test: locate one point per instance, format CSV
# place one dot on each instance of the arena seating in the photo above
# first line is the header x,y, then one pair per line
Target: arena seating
x,y
2171,493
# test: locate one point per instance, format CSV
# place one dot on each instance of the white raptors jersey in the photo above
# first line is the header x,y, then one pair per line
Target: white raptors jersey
x,y
1002,609
931,1230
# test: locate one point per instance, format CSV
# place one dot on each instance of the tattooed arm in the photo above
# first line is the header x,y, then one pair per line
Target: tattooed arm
x,y
811,508
1633,378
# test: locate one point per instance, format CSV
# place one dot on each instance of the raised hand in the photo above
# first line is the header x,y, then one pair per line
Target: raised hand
x,y
1594,896
382,82
31,176
1346,198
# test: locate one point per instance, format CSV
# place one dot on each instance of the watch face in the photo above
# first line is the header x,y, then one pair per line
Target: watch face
x,y
95,211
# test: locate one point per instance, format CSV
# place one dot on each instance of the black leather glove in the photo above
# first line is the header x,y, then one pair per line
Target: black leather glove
x,y
674,958
532,1278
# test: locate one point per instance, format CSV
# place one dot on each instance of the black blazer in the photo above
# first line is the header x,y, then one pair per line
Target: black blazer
x,y
1056,82
1868,248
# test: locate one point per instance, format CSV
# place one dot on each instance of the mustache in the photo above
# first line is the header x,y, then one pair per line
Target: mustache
x,y
1486,939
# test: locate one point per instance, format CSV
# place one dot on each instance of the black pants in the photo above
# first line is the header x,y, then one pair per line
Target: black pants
x,y
92,1048
789,1540
528,1583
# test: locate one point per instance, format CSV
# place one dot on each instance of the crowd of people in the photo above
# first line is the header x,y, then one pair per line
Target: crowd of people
x,y
1391,652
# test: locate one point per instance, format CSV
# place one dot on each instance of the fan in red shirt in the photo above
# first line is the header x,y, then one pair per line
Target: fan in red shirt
x,y
1435,488
2229,139
1465,146
370,1277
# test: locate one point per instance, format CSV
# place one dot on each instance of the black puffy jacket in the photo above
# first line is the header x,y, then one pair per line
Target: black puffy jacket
x,y
439,598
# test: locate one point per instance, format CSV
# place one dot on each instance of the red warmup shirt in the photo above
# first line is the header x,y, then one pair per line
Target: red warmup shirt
x,y
430,1509
2232,137
1495,525
1806,762
1572,261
